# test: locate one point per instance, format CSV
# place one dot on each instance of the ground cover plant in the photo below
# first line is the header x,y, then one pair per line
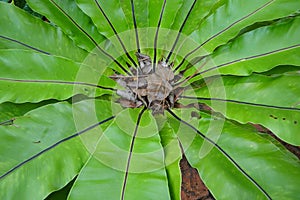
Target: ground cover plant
x,y
107,96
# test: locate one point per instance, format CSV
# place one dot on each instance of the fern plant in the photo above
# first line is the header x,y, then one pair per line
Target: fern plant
x,y
106,96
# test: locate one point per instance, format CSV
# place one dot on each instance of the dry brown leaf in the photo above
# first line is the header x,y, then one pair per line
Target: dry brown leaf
x,y
153,90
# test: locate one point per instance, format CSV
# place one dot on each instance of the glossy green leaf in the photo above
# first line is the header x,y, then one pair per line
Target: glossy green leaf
x,y
112,152
68,16
186,20
256,155
182,16
240,58
190,15
272,101
110,19
40,36
78,26
234,15
111,9
128,156
141,18
173,155
52,142
46,77
153,12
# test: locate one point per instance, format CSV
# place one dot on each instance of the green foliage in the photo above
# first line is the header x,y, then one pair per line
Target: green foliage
x,y
61,128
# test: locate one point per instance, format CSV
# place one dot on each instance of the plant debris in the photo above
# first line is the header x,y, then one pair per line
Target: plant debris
x,y
151,88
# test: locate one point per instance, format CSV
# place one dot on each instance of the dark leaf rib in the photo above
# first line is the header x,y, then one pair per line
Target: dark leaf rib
x,y
54,145
57,82
116,33
249,58
223,152
156,34
240,102
192,63
130,153
180,30
227,28
90,38
23,44
135,27
7,122
235,61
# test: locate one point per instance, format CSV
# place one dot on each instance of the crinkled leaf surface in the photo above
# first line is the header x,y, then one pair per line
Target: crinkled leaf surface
x,y
226,21
274,102
116,170
256,156
46,77
20,30
240,57
43,149
68,16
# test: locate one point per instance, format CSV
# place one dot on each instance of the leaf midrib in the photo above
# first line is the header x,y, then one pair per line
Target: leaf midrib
x,y
54,145
59,82
23,44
